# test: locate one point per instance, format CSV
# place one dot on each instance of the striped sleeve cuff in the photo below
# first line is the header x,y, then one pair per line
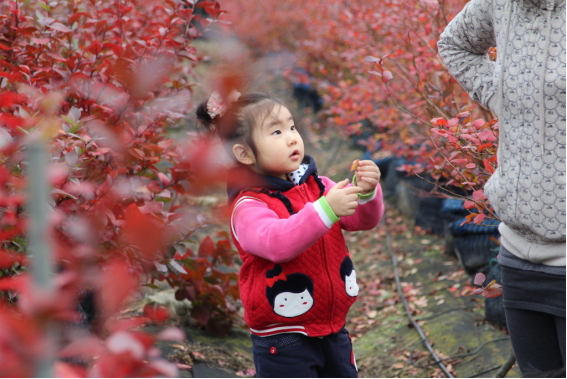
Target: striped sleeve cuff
x,y
325,212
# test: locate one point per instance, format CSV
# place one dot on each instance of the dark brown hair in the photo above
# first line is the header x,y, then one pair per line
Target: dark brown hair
x,y
239,121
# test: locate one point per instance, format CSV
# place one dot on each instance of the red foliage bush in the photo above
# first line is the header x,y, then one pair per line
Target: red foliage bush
x,y
377,64
101,81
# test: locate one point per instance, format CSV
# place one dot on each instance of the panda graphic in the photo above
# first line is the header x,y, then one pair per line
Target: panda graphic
x,y
349,277
289,295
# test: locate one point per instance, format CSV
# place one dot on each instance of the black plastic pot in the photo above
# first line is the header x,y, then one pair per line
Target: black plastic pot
x,y
451,211
409,192
493,307
475,245
384,165
390,178
428,215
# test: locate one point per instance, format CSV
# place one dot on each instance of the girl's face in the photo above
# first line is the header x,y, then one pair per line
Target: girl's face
x,y
290,304
279,146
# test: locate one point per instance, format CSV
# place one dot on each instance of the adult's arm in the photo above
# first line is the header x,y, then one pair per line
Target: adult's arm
x,y
463,46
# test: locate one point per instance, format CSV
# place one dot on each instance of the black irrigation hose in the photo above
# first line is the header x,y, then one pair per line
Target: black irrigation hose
x,y
442,313
406,305
476,351
485,372
504,369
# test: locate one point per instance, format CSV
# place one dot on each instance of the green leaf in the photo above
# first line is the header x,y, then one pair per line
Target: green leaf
x,y
63,193
76,127
69,120
150,285
76,136
45,6
26,132
163,199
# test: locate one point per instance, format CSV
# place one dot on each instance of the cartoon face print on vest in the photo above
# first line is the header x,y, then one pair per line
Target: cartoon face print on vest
x,y
289,295
349,277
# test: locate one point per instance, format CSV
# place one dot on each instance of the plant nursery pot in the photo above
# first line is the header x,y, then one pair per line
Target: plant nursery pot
x,y
451,211
428,215
475,245
390,178
493,306
409,191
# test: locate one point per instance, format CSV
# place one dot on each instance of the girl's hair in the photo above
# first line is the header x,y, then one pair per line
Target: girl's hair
x,y
239,121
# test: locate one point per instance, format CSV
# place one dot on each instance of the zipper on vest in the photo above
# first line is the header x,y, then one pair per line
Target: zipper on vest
x,y
327,271
331,284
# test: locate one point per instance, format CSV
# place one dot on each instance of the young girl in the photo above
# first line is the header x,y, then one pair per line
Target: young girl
x,y
297,281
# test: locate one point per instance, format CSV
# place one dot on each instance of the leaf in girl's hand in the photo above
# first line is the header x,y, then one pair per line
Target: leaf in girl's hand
x,y
354,165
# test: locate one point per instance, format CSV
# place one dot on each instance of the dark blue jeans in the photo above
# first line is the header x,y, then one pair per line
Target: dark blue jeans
x,y
293,355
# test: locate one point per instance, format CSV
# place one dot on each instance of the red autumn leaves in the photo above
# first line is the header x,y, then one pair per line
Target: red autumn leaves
x,y
492,289
102,82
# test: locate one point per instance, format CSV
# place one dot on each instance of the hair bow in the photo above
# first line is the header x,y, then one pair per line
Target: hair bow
x,y
272,281
217,106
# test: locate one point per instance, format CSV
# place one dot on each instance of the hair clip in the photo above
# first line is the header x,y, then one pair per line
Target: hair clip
x,y
216,106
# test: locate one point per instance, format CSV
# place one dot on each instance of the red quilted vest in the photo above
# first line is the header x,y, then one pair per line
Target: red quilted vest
x,y
265,288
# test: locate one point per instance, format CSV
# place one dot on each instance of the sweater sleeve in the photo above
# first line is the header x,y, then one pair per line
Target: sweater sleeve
x,y
463,47
260,231
368,213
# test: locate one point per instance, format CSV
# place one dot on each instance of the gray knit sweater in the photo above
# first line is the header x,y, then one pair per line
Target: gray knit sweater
x,y
528,97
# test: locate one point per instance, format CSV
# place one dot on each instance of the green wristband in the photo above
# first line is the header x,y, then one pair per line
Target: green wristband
x,y
365,195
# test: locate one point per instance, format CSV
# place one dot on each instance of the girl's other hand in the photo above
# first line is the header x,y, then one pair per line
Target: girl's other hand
x,y
367,176
343,201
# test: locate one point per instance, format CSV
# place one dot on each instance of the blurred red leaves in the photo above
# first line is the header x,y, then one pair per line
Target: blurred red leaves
x,y
101,81
144,231
156,313
21,342
117,282
8,259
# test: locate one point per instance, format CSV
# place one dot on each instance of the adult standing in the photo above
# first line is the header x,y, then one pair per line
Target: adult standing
x,y
525,88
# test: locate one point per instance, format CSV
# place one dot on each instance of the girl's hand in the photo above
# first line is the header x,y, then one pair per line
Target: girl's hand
x,y
367,176
343,201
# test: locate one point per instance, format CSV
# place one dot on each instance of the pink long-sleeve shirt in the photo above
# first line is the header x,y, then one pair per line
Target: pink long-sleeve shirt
x,y
262,233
